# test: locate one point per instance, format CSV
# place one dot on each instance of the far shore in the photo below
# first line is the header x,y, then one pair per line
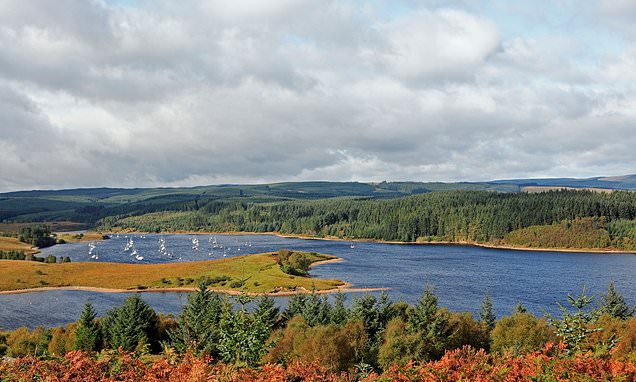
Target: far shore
x,y
362,240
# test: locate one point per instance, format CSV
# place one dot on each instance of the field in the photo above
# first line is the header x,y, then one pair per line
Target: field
x,y
12,244
257,273
77,237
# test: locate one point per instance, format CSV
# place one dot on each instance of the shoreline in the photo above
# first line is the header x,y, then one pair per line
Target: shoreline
x,y
345,288
361,240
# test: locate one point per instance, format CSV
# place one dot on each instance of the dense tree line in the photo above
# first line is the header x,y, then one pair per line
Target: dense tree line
x,y
470,216
21,255
37,235
578,233
371,334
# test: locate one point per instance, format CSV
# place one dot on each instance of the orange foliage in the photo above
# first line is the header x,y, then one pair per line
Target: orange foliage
x,y
464,364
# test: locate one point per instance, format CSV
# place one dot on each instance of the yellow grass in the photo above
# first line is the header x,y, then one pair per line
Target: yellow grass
x,y
76,237
13,244
259,273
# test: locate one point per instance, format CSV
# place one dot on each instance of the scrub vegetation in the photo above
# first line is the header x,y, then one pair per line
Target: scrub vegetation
x,y
243,338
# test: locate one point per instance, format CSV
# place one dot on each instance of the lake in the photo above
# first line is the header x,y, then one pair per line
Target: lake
x,y
460,274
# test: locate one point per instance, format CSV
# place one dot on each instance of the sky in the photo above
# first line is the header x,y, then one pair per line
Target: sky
x,y
146,93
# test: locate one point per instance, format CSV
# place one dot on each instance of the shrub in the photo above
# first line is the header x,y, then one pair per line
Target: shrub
x,y
521,333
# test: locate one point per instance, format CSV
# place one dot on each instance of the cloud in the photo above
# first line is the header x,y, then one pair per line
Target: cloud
x,y
94,93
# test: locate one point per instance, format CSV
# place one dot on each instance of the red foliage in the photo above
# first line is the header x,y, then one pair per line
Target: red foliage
x,y
464,364
467,364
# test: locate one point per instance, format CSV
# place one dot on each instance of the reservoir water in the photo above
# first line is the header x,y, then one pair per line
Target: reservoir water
x,y
460,274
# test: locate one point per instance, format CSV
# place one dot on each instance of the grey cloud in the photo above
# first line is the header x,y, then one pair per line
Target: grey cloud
x,y
184,93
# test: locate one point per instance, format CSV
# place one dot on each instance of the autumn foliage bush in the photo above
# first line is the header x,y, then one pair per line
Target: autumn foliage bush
x,y
466,364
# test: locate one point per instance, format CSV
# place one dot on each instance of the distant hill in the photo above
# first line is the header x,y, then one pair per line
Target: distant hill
x,y
87,205
625,182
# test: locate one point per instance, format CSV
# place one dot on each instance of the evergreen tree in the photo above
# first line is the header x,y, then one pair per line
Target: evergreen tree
x,y
132,326
519,309
312,310
614,304
295,306
339,313
573,328
430,324
266,311
198,325
486,314
425,311
243,337
87,334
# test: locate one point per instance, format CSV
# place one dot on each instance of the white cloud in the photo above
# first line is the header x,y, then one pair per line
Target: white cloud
x,y
186,93
438,45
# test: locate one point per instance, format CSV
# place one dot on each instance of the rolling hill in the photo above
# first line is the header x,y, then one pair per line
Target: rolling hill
x,y
88,205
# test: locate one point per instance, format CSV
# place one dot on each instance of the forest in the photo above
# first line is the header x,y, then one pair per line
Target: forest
x,y
372,338
455,216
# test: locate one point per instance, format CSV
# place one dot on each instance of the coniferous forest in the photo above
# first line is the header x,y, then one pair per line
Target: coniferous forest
x,y
589,219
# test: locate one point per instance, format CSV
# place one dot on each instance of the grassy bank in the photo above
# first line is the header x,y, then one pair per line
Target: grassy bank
x,y
13,244
77,237
257,273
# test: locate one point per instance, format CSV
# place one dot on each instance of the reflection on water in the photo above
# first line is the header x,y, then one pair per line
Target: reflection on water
x,y
460,274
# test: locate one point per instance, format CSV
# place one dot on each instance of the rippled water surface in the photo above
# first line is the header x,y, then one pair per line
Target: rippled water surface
x,y
460,274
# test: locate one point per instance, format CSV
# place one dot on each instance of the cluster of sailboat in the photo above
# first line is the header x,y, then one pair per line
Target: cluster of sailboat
x,y
162,248
91,248
130,246
213,247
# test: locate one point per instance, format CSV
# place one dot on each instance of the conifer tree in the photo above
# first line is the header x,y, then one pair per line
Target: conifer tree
x,y
87,334
132,325
574,328
614,304
424,312
339,313
266,311
198,323
519,309
486,314
243,337
431,326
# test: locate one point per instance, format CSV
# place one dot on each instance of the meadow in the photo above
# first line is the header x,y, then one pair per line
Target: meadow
x,y
13,244
258,273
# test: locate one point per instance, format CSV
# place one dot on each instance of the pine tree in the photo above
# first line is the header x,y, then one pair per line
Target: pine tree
x,y
243,337
573,328
266,311
430,324
486,314
519,309
312,309
425,311
295,306
132,325
614,304
198,323
339,313
87,334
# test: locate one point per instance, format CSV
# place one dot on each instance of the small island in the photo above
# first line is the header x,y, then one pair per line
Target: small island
x,y
281,273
